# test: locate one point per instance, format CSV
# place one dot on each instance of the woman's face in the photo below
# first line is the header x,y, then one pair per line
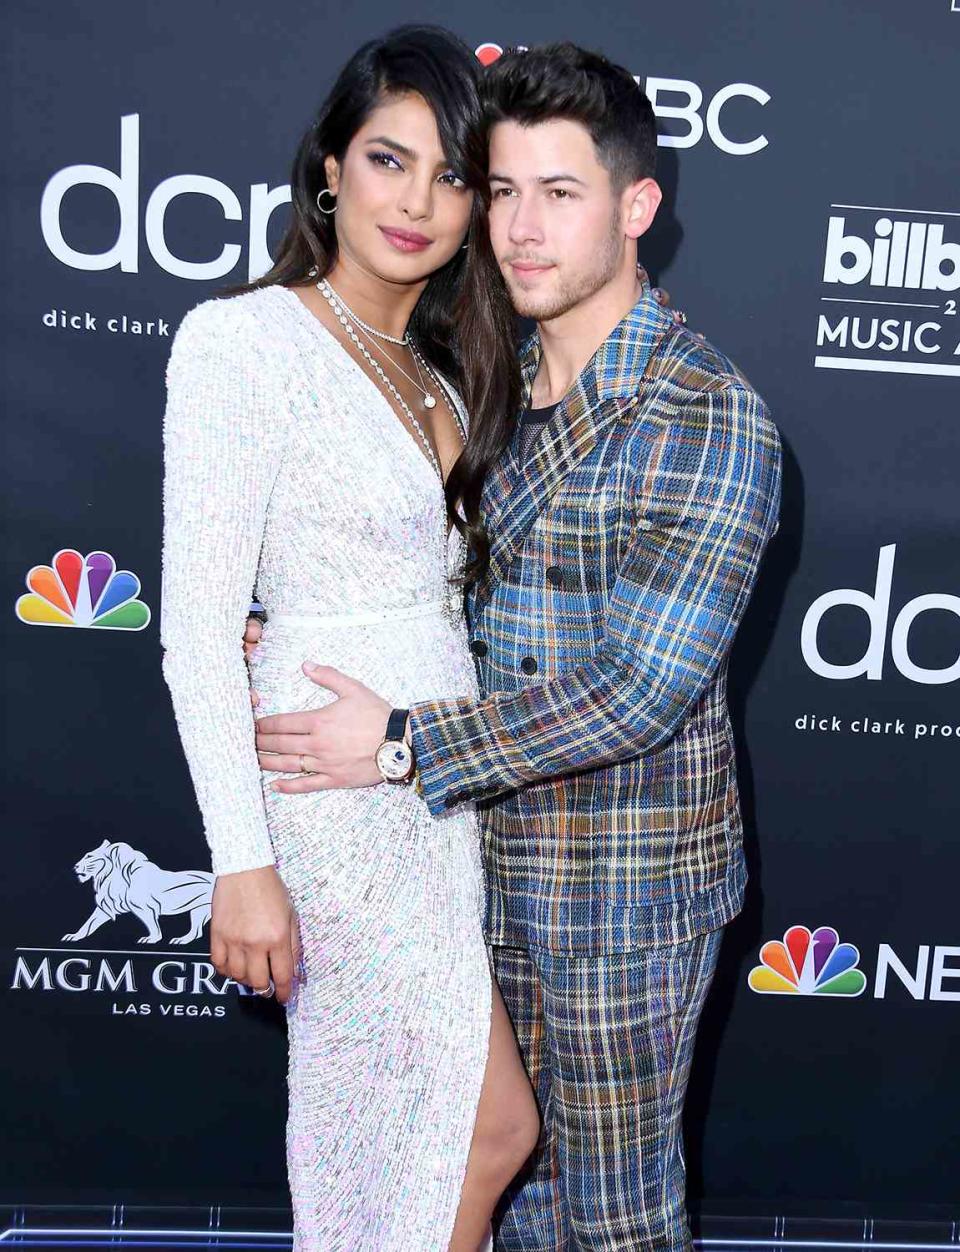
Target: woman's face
x,y
402,213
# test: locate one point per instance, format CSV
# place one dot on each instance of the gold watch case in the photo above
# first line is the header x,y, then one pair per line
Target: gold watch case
x,y
395,761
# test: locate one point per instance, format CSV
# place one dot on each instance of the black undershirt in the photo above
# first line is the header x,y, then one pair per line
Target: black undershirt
x,y
531,423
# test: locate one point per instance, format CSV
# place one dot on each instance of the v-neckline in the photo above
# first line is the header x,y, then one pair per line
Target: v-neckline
x,y
409,437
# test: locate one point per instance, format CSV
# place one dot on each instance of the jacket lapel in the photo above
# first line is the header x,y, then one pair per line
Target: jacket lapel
x,y
515,494
569,436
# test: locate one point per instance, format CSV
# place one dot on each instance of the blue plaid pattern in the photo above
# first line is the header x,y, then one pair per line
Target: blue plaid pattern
x,y
624,551
607,1042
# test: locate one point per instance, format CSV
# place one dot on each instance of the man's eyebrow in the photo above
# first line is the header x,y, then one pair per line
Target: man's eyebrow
x,y
561,178
544,180
387,142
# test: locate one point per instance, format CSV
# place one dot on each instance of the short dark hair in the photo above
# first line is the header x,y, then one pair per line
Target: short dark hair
x,y
561,81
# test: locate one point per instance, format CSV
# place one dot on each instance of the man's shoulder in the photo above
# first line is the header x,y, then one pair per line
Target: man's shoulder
x,y
691,363
694,395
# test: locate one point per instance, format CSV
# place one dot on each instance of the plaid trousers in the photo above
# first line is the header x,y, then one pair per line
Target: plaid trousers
x,y
607,1042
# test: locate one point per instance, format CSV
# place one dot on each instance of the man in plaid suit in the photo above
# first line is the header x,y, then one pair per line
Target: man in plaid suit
x,y
626,528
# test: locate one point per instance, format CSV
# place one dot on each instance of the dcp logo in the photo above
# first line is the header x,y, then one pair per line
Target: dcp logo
x,y
877,610
125,187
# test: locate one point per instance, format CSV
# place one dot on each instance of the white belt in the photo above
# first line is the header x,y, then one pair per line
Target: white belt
x,y
401,613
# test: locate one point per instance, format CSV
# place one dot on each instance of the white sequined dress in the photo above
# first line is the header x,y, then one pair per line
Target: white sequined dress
x,y
287,471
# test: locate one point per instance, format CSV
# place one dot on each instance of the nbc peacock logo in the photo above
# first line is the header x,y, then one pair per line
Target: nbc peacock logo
x,y
808,964
77,590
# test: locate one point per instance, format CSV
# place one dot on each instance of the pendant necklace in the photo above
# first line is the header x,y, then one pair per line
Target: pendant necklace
x,y
452,610
343,315
341,309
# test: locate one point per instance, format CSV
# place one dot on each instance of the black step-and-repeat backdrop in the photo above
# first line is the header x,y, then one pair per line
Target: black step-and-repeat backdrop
x,y
812,229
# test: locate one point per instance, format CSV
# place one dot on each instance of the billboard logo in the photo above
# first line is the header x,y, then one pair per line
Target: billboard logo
x,y
808,964
899,270
909,256
77,590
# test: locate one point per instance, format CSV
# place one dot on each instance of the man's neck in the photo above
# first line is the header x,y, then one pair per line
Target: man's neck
x,y
569,341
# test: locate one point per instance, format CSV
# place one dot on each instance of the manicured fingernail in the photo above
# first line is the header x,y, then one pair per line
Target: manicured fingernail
x,y
310,666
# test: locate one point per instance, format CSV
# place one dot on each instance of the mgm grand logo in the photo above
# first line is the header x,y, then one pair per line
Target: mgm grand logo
x,y
133,981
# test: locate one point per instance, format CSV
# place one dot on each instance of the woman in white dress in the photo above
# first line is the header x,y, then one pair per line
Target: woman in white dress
x,y
311,423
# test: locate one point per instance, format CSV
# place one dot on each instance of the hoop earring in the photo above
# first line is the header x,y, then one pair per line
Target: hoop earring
x,y
326,192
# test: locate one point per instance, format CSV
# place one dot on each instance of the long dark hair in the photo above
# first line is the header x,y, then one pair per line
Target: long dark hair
x,y
463,322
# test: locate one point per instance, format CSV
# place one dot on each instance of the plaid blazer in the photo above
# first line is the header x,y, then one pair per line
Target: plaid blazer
x,y
623,553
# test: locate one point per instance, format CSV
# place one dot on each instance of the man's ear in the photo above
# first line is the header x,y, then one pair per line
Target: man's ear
x,y
331,167
640,202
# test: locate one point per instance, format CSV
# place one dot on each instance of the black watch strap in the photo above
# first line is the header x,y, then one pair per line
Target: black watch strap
x,y
397,724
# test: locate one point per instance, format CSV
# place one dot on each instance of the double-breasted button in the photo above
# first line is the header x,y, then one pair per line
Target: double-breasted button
x,y
528,665
478,647
554,575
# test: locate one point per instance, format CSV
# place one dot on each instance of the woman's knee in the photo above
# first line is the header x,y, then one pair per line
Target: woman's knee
x,y
523,1132
506,1141
508,1121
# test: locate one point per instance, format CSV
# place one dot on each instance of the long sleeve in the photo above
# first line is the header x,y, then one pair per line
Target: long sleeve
x,y
221,455
682,588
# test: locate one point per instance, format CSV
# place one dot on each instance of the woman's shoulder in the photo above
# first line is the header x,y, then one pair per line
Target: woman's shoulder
x,y
241,327
228,366
244,312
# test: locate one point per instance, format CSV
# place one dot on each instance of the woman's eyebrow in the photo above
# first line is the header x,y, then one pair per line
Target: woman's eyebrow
x,y
397,147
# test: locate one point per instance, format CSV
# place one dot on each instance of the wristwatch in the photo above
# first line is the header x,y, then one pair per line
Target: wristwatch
x,y
395,759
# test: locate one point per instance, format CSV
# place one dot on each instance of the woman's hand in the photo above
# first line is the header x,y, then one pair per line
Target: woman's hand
x,y
251,637
254,935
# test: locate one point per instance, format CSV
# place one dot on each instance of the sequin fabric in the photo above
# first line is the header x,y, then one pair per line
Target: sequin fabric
x,y
287,471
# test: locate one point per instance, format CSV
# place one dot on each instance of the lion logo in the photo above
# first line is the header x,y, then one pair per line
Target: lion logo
x,y
124,881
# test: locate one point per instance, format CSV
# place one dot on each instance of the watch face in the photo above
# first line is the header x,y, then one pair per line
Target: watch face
x,y
394,760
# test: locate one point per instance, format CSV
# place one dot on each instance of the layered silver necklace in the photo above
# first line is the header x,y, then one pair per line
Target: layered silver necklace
x,y
351,323
452,606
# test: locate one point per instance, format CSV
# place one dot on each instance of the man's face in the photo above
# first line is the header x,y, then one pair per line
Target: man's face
x,y
555,220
